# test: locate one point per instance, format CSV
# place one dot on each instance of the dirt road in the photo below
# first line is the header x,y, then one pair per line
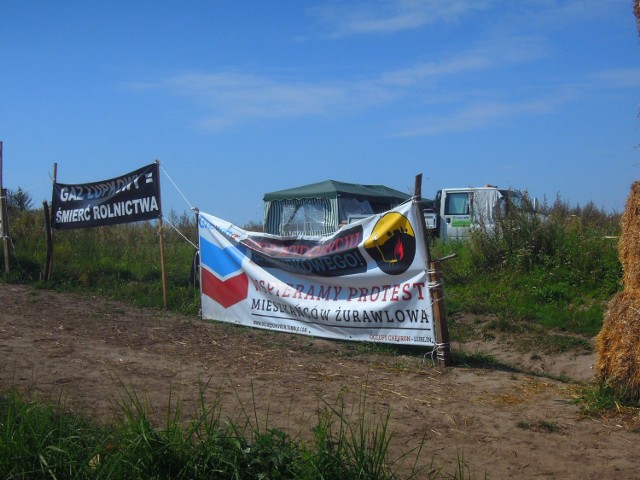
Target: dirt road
x,y
502,423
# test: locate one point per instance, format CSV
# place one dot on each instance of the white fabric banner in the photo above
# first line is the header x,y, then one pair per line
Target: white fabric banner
x,y
367,282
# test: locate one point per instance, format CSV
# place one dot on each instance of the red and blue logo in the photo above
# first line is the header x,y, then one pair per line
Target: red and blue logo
x,y
222,277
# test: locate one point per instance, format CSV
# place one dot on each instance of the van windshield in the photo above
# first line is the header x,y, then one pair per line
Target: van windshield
x,y
515,197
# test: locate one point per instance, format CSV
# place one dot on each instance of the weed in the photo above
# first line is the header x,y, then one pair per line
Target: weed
x,y
477,359
599,398
540,426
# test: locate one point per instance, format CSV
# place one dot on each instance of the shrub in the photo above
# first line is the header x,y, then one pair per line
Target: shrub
x,y
556,267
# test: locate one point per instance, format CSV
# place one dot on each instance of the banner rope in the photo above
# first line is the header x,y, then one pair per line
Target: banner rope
x,y
188,203
437,352
179,232
176,187
440,350
431,354
12,250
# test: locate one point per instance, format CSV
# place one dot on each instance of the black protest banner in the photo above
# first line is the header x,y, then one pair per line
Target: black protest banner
x,y
132,197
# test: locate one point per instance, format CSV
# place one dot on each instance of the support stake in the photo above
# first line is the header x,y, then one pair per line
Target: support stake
x,y
436,289
161,233
4,220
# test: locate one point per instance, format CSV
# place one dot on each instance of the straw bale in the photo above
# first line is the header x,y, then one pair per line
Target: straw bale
x,y
629,246
618,343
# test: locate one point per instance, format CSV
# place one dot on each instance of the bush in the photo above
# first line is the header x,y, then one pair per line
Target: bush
x,y
557,267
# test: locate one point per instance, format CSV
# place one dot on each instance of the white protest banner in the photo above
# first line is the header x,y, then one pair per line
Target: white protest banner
x,y
367,282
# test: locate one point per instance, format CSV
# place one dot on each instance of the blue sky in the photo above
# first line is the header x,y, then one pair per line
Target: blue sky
x,y
237,99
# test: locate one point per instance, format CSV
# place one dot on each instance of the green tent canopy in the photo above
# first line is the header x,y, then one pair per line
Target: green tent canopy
x,y
320,208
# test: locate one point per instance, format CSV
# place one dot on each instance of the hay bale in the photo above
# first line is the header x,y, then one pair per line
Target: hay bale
x,y
629,246
618,344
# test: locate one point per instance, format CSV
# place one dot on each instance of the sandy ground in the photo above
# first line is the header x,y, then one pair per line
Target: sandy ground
x,y
503,423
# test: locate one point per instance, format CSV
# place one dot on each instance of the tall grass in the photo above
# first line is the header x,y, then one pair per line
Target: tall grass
x,y
556,268
121,261
43,441
39,441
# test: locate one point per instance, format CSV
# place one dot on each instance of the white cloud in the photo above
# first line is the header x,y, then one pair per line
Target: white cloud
x,y
557,13
479,115
231,97
618,78
228,99
389,16
482,56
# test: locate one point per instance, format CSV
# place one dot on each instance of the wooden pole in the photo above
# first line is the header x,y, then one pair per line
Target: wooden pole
x,y
48,268
436,287
161,233
4,232
443,349
162,261
4,220
48,232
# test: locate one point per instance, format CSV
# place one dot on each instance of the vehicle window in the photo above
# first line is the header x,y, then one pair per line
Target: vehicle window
x,y
457,204
514,197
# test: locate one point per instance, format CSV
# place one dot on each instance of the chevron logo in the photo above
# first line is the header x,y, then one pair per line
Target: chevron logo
x,y
223,279
226,293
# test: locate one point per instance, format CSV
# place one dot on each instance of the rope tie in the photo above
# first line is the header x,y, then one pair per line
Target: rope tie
x,y
439,351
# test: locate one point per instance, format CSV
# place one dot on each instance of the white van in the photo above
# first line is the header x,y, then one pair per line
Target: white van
x,y
456,210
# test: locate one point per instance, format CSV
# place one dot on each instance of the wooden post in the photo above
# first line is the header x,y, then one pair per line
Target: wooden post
x,y
443,349
162,262
436,287
161,233
48,234
195,264
4,231
48,225
4,220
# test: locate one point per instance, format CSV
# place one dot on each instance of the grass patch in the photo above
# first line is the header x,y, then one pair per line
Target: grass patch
x,y
543,426
44,441
603,401
477,359
553,343
524,335
599,398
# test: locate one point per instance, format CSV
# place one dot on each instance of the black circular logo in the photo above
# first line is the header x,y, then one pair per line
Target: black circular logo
x,y
392,243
